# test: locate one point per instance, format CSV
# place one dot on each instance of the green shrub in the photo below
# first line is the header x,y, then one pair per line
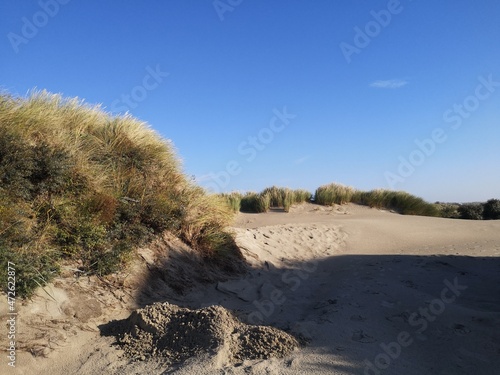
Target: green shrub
x,y
16,164
33,268
471,211
448,210
491,209
52,170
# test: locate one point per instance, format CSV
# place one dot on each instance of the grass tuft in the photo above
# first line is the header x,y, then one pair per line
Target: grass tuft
x,y
328,195
273,197
233,200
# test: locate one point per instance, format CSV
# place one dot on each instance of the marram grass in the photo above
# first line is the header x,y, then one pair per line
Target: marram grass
x,y
399,201
273,197
79,184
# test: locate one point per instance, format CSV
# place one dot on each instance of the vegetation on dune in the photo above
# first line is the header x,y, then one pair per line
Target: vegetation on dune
x,y
471,211
255,202
448,210
491,209
328,195
398,201
405,203
233,200
79,184
273,197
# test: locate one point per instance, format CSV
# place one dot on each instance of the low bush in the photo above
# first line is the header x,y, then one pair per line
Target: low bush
x,y
471,211
491,209
448,210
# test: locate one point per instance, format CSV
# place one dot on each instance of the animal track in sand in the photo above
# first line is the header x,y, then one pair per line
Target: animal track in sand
x,y
460,329
360,336
293,242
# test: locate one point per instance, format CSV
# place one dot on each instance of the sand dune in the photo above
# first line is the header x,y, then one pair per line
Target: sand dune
x,y
366,291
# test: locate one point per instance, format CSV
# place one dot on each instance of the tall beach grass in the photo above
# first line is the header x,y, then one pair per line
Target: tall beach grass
x,y
398,201
273,197
78,184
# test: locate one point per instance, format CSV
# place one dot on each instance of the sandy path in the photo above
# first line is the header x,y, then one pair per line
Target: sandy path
x,y
371,292
353,281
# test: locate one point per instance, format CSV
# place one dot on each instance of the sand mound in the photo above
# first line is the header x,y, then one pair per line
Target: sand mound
x,y
175,334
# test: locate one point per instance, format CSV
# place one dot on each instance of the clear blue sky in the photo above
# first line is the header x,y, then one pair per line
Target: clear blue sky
x,y
364,80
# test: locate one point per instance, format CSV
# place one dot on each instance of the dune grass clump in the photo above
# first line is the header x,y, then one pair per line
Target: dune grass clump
x,y
328,195
301,196
280,197
255,202
80,185
233,200
273,197
399,201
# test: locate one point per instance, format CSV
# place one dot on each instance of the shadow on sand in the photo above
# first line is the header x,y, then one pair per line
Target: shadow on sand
x,y
361,314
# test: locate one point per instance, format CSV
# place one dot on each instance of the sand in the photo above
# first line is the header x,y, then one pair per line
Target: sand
x,y
365,291
171,334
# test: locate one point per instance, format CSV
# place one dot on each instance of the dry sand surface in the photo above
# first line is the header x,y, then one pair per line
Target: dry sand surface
x,y
363,291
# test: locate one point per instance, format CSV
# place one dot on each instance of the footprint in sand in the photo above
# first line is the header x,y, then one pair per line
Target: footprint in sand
x,y
358,318
360,336
409,284
399,318
460,329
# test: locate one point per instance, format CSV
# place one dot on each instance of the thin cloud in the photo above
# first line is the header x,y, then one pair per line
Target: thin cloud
x,y
302,159
389,84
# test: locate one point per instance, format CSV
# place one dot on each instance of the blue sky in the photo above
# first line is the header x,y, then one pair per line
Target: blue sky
x,y
290,93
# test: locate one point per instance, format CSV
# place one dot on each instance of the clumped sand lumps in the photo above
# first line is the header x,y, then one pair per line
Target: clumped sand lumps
x,y
175,334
